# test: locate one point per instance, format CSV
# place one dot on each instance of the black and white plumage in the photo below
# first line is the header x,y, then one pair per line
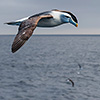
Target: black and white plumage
x,y
46,19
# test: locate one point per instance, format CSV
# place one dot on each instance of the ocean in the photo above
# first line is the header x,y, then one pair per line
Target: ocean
x,y
41,68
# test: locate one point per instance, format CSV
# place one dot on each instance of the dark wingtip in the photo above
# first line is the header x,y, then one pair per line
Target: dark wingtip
x,y
17,44
12,50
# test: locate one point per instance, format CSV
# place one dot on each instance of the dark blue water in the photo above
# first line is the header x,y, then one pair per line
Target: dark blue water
x,y
40,69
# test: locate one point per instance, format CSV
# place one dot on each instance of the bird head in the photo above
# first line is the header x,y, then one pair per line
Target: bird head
x,y
68,17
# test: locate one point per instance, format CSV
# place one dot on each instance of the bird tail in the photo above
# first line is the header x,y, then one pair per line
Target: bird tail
x,y
13,23
17,22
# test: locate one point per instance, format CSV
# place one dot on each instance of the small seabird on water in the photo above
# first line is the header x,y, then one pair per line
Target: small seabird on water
x,y
79,66
45,19
71,81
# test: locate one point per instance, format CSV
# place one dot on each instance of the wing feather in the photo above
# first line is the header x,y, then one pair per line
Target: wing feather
x,y
25,31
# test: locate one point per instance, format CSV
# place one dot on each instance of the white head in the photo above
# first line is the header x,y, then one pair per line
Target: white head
x,y
66,17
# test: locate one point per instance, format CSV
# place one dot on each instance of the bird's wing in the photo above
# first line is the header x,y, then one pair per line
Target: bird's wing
x,y
71,82
25,31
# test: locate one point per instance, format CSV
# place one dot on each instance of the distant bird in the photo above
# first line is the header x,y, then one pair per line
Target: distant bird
x,y
71,82
45,19
79,66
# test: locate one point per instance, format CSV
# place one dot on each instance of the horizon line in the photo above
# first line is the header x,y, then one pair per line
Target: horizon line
x,y
55,35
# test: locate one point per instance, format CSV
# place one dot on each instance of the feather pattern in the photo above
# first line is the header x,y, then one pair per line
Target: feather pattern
x,y
25,31
49,19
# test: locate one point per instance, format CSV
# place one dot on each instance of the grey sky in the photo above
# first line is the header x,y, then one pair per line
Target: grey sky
x,y
87,12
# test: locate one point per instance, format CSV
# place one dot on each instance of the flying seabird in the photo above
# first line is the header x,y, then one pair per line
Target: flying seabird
x,y
79,66
45,19
71,82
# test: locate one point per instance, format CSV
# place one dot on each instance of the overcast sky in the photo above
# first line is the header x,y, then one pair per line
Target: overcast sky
x,y
87,12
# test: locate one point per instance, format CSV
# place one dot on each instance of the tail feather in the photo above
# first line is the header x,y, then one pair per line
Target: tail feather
x,y
13,23
17,22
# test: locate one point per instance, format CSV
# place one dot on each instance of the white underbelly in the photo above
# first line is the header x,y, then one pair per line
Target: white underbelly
x,y
48,22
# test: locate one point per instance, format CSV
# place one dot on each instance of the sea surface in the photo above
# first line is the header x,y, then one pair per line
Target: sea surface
x,y
41,68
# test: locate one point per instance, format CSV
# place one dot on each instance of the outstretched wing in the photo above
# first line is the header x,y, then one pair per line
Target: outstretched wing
x,y
71,82
25,31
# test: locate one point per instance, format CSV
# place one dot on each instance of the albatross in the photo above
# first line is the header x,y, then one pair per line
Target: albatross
x,y
48,19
